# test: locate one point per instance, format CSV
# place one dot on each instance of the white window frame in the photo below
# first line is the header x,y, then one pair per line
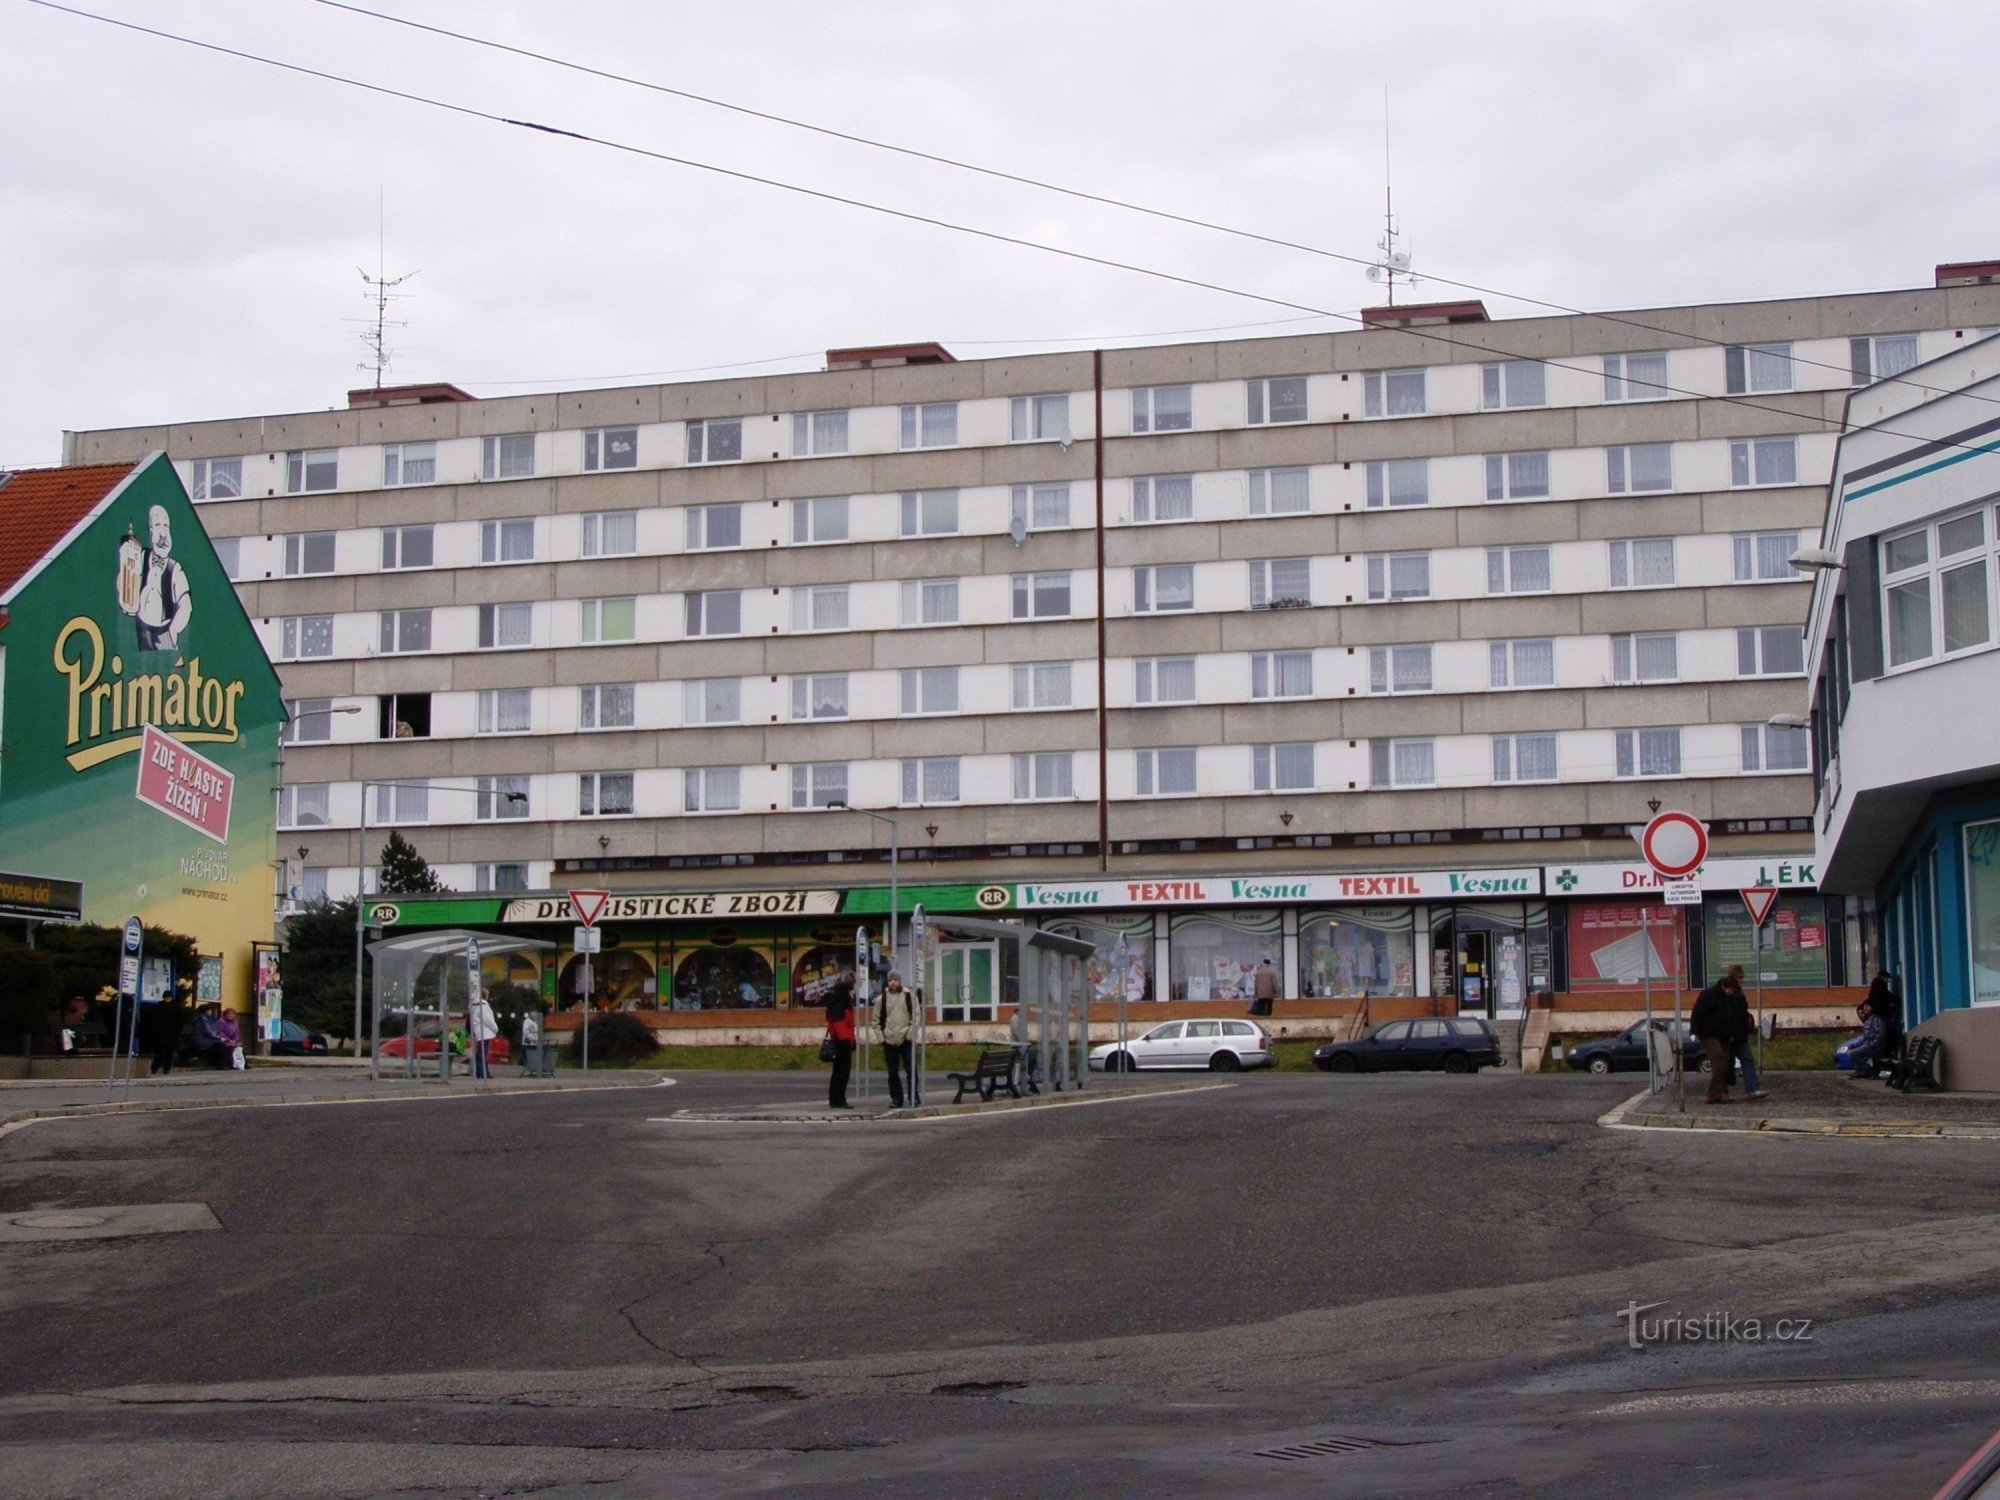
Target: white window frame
x,y
1147,590
1042,685
300,547
591,787
1760,463
1147,401
819,607
1399,670
597,702
303,712
1625,381
1147,506
312,471
1505,663
1504,563
701,440
1513,385
1865,356
507,455
1764,557
1040,507
507,710
501,542
1385,569
1753,369
819,434
1150,771
820,519
502,799
929,513
395,629
712,789
1932,578
700,606
1758,742
1035,596
396,547
216,479
1623,560
1632,754
1637,657
931,781
305,804
606,449
1281,674
930,601
293,632
596,619
1622,464
1283,491
807,703
1276,768
1402,762
1281,583
1275,400
1044,776
1753,650
1507,758
917,430
1387,393
1148,676
1393,483
409,463
1518,476
1040,419
596,536
704,521
818,784
492,617
711,700
927,692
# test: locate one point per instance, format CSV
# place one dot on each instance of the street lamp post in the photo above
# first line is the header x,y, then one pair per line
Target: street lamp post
x,y
895,892
361,914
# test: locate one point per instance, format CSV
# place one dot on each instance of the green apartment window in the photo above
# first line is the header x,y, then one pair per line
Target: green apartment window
x,y
609,620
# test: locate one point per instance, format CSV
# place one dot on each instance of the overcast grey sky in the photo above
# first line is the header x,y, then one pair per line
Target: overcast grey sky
x,y
180,233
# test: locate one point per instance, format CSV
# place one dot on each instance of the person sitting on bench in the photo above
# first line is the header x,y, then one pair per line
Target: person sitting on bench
x,y
1878,1031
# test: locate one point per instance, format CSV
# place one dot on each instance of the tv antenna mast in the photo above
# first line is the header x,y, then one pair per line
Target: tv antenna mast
x,y
1394,263
381,292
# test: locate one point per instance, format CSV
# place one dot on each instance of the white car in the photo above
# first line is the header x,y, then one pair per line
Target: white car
x,y
1224,1046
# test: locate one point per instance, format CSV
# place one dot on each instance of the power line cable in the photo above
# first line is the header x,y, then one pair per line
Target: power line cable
x,y
1432,335
1081,194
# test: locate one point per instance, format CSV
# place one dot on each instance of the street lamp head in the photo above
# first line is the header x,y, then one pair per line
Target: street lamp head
x,y
1816,559
1789,721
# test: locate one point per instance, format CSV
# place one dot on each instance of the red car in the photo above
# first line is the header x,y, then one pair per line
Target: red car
x,y
497,1050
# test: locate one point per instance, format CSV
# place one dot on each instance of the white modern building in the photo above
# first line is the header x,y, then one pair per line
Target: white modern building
x,y
1362,650
1905,664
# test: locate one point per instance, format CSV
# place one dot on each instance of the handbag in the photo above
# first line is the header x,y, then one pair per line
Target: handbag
x,y
829,1049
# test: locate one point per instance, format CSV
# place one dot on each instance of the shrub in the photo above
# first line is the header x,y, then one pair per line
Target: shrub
x,y
617,1037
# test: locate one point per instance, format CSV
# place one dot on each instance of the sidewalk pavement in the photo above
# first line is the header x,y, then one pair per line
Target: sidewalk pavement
x,y
876,1108
1820,1103
31,1099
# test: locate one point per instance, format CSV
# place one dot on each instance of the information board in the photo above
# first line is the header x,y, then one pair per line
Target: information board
x,y
1795,938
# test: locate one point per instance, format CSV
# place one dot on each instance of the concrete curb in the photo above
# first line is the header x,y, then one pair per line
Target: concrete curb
x,y
154,1106
969,1110
1623,1118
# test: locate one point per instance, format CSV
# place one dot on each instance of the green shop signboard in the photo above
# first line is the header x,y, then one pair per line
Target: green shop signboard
x,y
1795,939
139,726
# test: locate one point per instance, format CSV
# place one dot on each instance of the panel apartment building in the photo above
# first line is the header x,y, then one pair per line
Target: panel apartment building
x,y
1359,650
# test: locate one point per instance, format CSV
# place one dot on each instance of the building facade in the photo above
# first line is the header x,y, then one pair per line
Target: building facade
x,y
139,717
1216,625
1905,663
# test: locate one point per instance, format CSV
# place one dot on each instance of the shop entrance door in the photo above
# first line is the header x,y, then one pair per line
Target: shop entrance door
x,y
965,981
1475,979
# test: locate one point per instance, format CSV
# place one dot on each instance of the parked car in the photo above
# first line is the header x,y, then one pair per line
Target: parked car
x,y
1626,1052
497,1050
1224,1046
1457,1044
1978,1478
294,1040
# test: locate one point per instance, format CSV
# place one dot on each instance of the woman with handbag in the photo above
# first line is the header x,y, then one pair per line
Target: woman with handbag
x,y
838,1045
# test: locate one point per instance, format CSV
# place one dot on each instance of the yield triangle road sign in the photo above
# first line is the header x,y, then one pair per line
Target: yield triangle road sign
x,y
1759,899
588,905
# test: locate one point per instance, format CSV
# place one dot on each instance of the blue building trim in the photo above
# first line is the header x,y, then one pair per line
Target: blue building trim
x,y
1925,921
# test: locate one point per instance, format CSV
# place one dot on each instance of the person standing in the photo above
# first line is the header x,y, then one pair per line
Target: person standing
x,y
168,1017
1263,987
484,1026
898,1022
1741,1029
840,1031
1713,1026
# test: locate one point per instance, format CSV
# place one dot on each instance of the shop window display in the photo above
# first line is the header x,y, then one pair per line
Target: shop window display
x,y
1136,936
1358,951
1618,944
1213,956
1982,909
1795,936
724,978
620,979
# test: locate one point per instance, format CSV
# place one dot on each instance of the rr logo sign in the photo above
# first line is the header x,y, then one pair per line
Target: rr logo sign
x,y
993,897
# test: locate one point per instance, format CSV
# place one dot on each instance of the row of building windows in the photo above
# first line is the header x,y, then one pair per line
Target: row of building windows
x,y
1161,588
1304,767
1157,681
1503,385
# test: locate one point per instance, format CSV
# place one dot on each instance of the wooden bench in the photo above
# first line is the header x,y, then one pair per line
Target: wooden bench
x,y
994,1072
1917,1063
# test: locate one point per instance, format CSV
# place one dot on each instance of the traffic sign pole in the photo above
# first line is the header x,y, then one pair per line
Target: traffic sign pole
x,y
588,906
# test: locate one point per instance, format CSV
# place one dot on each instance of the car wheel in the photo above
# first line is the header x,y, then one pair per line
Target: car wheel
x,y
1600,1064
1322,1064
1342,1062
1704,1066
1225,1062
1118,1062
1457,1062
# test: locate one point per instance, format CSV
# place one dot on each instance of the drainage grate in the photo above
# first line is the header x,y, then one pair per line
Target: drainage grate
x,y
1328,1447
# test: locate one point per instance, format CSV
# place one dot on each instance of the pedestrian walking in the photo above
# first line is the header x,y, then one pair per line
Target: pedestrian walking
x,y
840,1039
1741,1029
1263,987
898,1024
1711,1023
484,1027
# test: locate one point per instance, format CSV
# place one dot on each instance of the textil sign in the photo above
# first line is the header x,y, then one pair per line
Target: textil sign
x,y
1234,890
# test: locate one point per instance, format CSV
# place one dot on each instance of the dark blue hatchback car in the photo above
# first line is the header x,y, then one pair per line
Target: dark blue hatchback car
x,y
1457,1044
1626,1052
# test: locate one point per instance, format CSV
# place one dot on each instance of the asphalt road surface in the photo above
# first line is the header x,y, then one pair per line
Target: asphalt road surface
x,y
1291,1285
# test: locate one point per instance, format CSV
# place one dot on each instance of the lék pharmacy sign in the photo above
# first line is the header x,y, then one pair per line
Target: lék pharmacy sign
x,y
1714,875
693,904
1399,885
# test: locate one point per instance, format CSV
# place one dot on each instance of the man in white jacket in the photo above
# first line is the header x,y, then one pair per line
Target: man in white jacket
x,y
897,1018
484,1027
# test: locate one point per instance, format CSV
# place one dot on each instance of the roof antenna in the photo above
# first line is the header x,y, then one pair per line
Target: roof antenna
x,y
1394,262
381,292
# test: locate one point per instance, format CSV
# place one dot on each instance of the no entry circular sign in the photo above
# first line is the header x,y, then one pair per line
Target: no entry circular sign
x,y
1675,844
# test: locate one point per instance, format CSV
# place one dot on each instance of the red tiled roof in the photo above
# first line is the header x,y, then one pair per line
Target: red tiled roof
x,y
39,506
